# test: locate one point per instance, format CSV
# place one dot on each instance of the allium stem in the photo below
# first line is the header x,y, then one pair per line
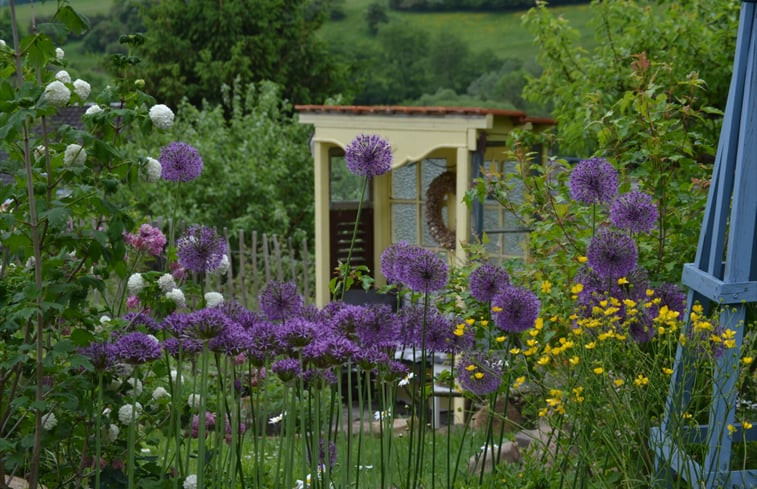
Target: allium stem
x,y
201,417
131,447
346,270
98,427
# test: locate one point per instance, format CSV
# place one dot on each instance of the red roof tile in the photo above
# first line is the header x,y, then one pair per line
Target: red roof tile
x,y
520,116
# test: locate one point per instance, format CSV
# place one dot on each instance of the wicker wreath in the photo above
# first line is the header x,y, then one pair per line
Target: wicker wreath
x,y
435,200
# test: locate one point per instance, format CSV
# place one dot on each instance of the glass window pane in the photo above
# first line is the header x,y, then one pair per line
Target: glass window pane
x,y
405,223
403,182
345,186
491,222
428,241
431,168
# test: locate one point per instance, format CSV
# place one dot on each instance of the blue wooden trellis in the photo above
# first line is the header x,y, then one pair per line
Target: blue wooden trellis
x,y
731,210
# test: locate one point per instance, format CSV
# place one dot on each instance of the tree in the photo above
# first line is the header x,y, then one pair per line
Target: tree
x,y
375,14
192,48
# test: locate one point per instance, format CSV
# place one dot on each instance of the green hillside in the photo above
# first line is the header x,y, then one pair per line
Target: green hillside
x,y
500,32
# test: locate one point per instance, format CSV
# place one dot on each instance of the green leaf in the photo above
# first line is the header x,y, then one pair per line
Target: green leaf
x,y
39,48
81,337
57,216
76,23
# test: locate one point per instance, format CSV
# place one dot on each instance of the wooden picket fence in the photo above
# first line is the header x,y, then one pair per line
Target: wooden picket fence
x,y
257,258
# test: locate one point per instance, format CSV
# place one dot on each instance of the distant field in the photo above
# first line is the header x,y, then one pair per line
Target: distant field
x,y
501,32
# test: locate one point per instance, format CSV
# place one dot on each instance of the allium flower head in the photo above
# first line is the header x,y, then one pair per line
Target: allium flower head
x,y
368,155
280,300
148,239
298,332
56,93
672,296
102,355
151,170
180,162
136,319
612,254
63,76
391,260
201,249
378,326
594,181
207,323
287,369
515,309
486,281
478,374
634,212
161,116
136,348
424,270
82,88
74,155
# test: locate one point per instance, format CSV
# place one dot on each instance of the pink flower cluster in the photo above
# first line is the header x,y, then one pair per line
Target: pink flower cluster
x,y
148,239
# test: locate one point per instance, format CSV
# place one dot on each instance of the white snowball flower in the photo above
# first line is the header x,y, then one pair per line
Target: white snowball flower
x,y
161,116
126,412
49,421
74,155
190,482
152,170
59,54
136,385
223,268
193,401
93,110
175,375
2,43
82,88
166,282
112,434
213,299
135,284
39,151
177,296
160,393
63,76
56,93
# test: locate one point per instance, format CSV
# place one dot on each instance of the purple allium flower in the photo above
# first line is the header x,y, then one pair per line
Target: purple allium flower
x,y
317,378
391,260
137,348
298,332
478,374
136,319
184,345
287,369
634,212
210,424
101,354
429,329
265,343
612,254
322,453
672,296
329,350
424,270
345,318
643,329
394,370
515,309
596,289
208,323
378,326
368,155
486,281
180,161
201,249
148,239
594,181
280,300
370,357
232,341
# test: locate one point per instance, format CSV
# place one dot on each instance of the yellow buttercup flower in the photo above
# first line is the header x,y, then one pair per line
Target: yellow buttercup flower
x,y
618,382
746,425
590,346
640,380
500,339
577,288
598,370
496,309
622,281
667,371
582,259
470,368
686,415
514,351
519,382
574,360
731,429
747,360
470,321
543,360
479,375
546,287
485,322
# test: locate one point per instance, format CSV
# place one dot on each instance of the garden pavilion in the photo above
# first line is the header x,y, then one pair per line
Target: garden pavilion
x,y
442,148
